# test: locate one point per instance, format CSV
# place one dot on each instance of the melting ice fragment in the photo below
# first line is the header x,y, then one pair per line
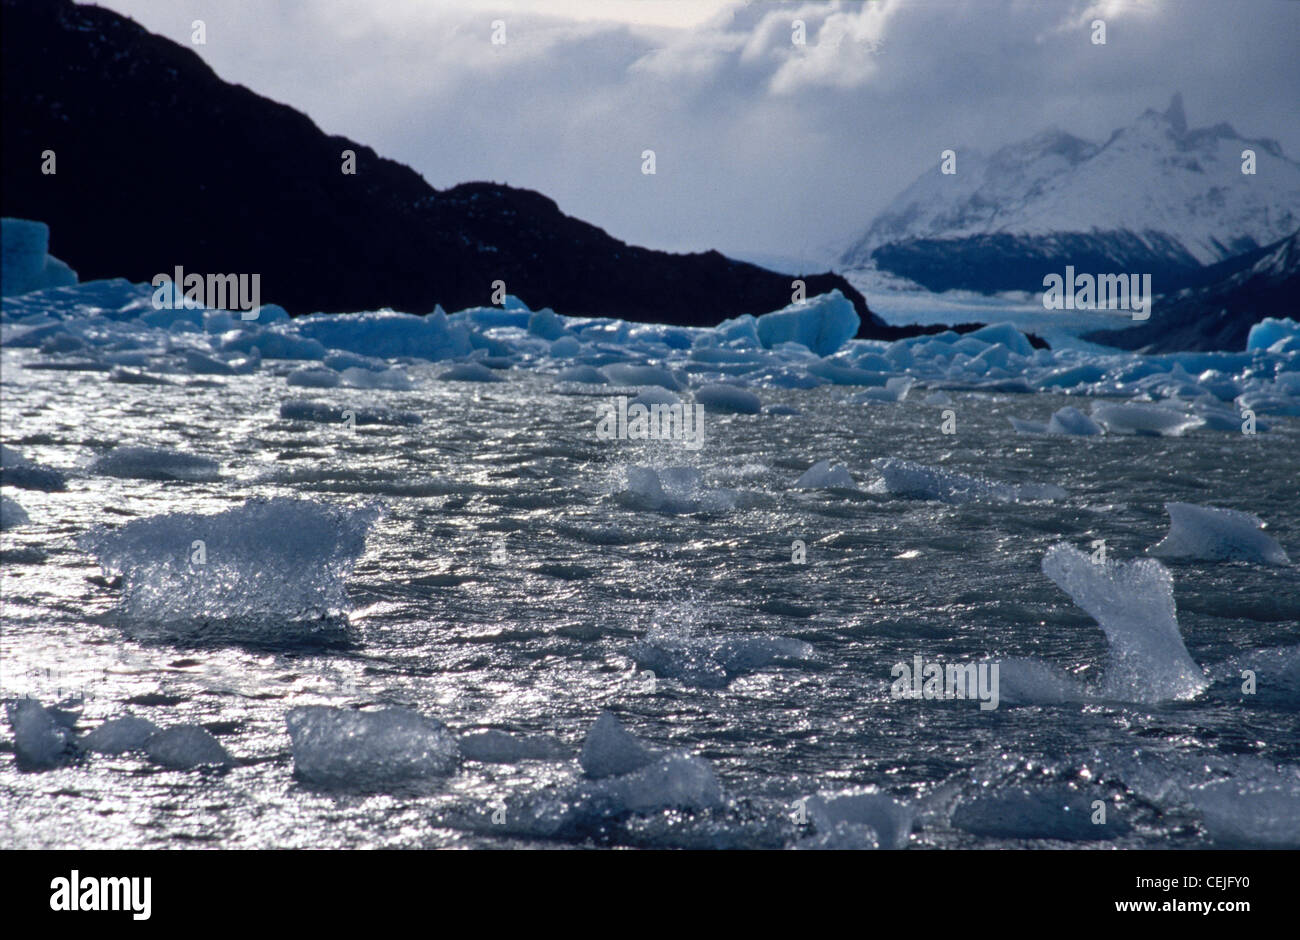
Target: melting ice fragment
x,y
918,481
118,735
346,749
41,741
728,399
1149,420
185,747
1206,533
824,476
1133,602
153,463
1070,420
611,749
12,515
870,813
270,563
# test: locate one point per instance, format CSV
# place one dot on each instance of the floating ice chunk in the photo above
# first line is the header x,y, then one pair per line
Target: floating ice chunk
x,y
17,470
387,335
1267,332
1224,419
547,324
1006,335
11,514
888,818
611,749
1209,534
271,562
845,375
299,409
1150,420
470,372
119,735
823,323
25,264
672,490
728,398
1255,810
785,410
1133,602
273,344
918,481
185,747
1070,420
342,748
498,747
587,375
841,837
566,347
127,377
655,395
675,781
152,463
621,373
41,741
824,476
314,378
1053,813
895,390
937,398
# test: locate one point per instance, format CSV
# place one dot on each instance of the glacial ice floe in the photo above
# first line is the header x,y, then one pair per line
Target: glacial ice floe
x,y
823,475
119,735
185,747
155,463
340,748
1206,533
611,749
1133,603
1139,418
728,399
273,565
41,741
12,514
17,470
858,819
918,481
25,262
672,490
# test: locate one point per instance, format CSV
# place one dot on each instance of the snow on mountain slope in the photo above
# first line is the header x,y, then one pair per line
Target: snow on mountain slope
x,y
1156,193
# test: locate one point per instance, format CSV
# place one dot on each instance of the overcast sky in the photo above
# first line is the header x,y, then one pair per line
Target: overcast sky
x,y
762,146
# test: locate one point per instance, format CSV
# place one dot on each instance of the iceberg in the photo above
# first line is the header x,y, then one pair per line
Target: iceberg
x,y
338,748
11,514
1150,420
1133,602
824,476
611,749
119,735
1070,420
918,481
270,564
1206,533
1271,330
299,409
888,819
41,741
387,335
17,470
151,463
823,323
185,747
25,262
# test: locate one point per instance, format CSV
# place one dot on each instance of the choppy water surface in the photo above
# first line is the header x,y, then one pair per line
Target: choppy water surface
x,y
508,585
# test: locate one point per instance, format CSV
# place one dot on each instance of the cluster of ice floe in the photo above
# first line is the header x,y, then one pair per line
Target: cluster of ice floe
x,y
114,326
45,738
